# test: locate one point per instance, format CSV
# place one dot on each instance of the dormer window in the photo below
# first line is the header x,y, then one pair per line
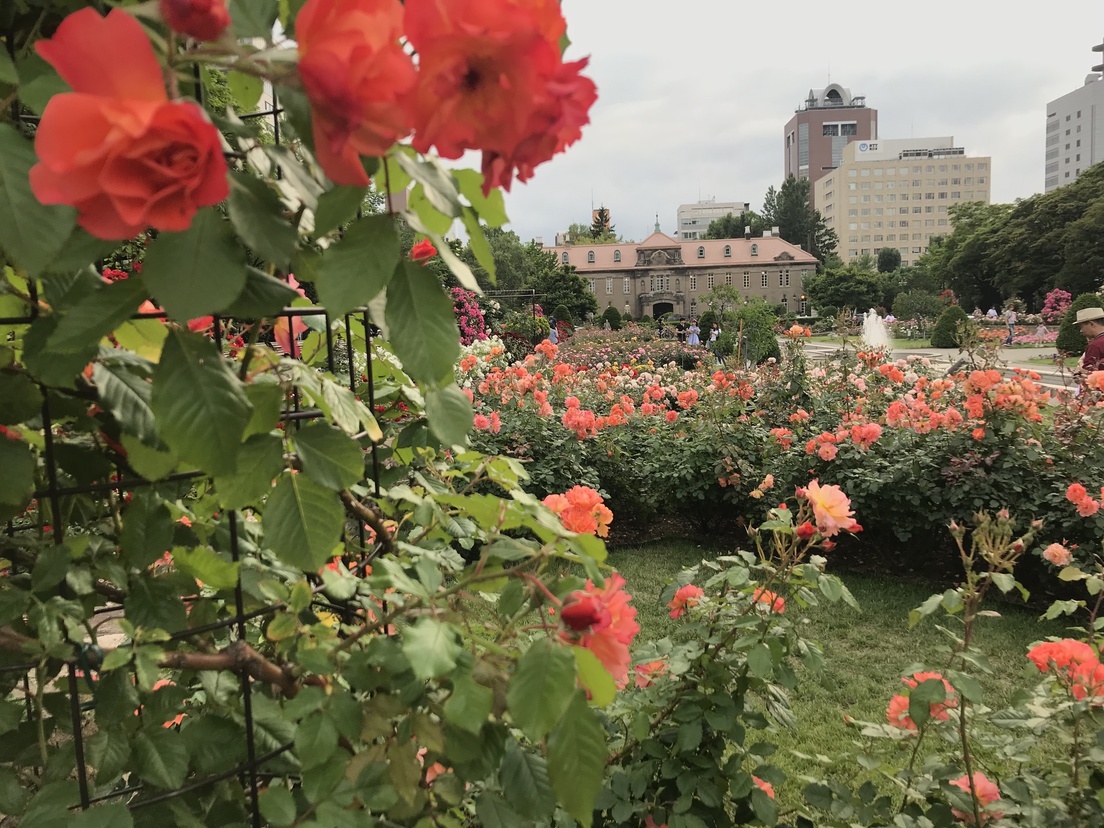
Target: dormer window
x,y
701,252
617,255
728,251
755,250
590,257
563,258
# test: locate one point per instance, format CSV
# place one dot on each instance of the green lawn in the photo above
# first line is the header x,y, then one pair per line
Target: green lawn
x,y
865,653
1069,362
897,343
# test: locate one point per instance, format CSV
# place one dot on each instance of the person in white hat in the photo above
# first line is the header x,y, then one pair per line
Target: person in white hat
x,y
1090,321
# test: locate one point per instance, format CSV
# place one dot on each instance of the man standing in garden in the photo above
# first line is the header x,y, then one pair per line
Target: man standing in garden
x,y
1010,317
1090,321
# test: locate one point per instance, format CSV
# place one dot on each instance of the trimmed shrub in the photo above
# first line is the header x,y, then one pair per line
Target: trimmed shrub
x,y
646,319
613,316
828,312
943,334
1070,340
706,322
562,314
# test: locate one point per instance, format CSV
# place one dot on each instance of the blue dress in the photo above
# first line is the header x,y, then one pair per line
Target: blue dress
x,y
693,338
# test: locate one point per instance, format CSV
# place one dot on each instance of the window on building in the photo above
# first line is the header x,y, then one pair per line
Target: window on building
x,y
590,256
728,251
764,279
830,129
627,288
728,278
780,280
693,283
849,129
617,255
710,281
787,278
747,279
755,250
563,257
592,290
609,286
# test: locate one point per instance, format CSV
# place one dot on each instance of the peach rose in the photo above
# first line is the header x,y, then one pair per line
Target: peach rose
x,y
115,147
356,76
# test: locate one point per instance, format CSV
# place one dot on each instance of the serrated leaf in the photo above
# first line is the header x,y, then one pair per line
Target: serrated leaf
x,y
162,759
760,662
20,398
277,806
357,268
150,463
594,677
302,522
541,688
577,759
147,530
254,18
432,648
422,325
199,404
263,295
206,566
336,207
469,705
258,215
17,482
31,233
97,315
246,90
492,811
965,684
155,604
198,271
477,240
127,396
114,815
490,207
8,73
261,459
449,413
329,457
524,777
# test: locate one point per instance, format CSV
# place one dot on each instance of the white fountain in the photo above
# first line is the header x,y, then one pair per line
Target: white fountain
x,y
874,331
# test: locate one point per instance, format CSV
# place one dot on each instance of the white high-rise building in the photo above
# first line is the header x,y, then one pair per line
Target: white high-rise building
x,y
694,219
1075,130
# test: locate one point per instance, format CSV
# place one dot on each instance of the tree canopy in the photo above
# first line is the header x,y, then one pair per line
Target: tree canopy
x,y
790,209
732,226
848,286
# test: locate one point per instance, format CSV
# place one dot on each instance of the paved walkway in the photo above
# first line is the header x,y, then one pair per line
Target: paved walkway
x,y
1051,375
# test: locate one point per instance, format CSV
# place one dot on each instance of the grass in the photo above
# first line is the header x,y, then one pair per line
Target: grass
x,y
896,342
1069,362
865,653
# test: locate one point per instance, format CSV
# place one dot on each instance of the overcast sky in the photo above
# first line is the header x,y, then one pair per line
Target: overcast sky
x,y
693,95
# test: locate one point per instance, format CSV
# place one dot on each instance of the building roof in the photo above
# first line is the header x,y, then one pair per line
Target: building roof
x,y
768,250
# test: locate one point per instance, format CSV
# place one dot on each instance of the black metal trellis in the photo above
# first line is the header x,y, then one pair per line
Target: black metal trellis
x,y
57,490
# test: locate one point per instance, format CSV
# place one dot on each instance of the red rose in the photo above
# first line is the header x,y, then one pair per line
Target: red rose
x,y
201,19
585,612
356,76
806,530
423,250
490,77
116,148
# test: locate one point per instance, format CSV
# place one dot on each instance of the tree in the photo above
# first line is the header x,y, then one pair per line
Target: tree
x,y
732,226
564,286
582,234
850,286
945,332
758,323
511,265
889,259
918,305
963,260
791,210
1070,339
721,298
601,227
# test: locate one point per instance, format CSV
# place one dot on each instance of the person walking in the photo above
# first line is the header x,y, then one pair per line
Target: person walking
x,y
1010,318
553,334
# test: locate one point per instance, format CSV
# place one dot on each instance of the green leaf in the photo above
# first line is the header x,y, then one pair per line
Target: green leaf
x,y
258,215
492,812
126,395
965,684
930,605
577,759
330,457
50,568
246,90
95,316
20,398
146,337
541,688
760,662
155,604
315,740
162,759
277,806
525,782
147,530
8,74
477,240
267,399
359,266
922,696
198,271
199,403
491,207
422,325
150,463
114,815
206,566
432,648
336,207
261,460
469,705
18,462
436,180
449,413
214,744
302,522
31,233
254,18
594,677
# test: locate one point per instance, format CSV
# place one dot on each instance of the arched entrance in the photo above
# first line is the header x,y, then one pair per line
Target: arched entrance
x,y
660,308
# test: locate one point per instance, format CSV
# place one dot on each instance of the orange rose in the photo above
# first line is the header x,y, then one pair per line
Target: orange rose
x,y
116,148
356,76
201,19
